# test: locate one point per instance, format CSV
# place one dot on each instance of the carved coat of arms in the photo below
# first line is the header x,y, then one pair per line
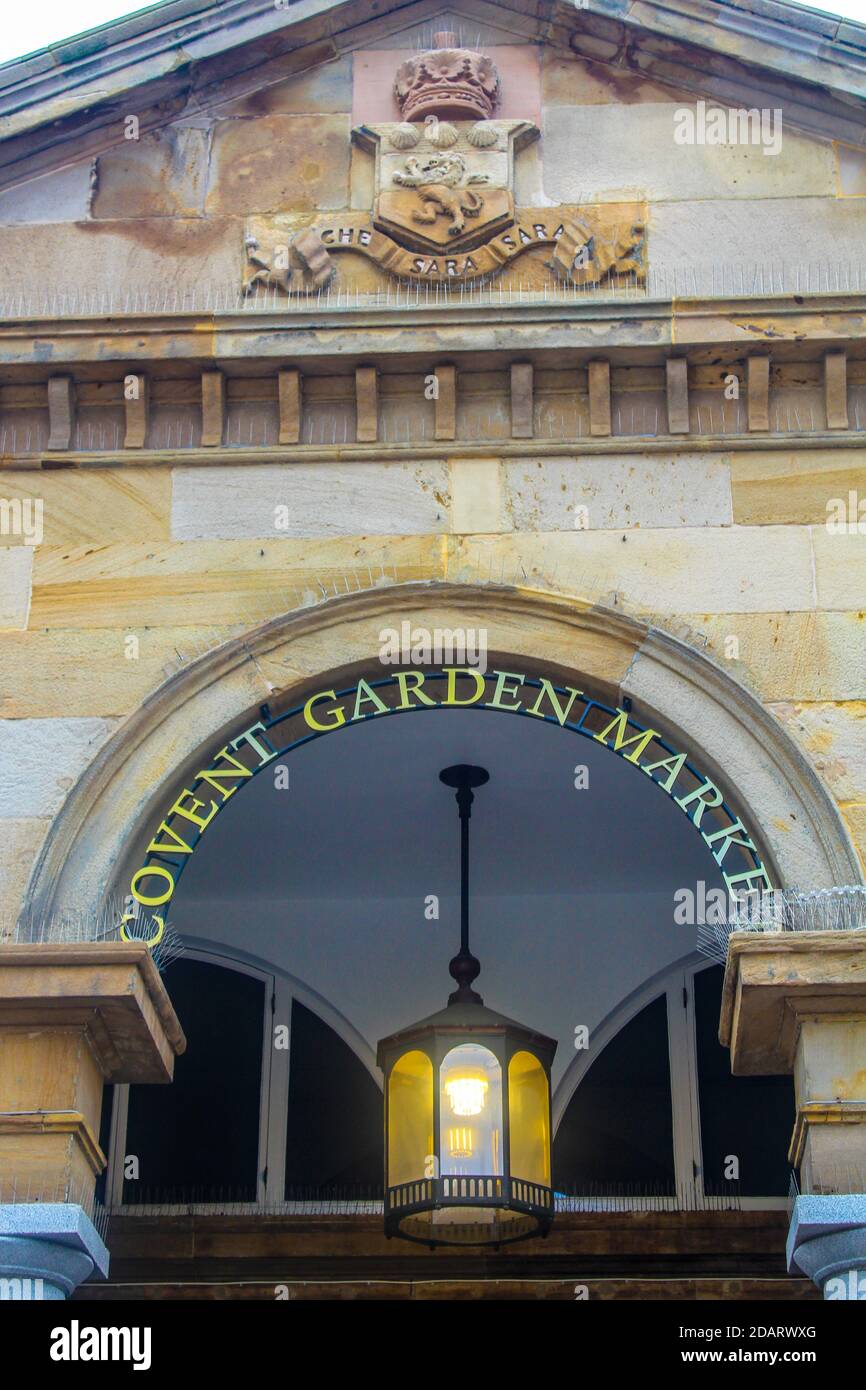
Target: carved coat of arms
x,y
443,207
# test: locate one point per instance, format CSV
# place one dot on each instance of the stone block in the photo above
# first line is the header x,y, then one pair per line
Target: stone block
x,y
20,843
16,563
796,487
279,164
326,499
162,174
61,196
324,89
789,656
749,232
620,152
158,255
41,759
833,737
715,569
92,505
215,583
477,496
614,492
840,568
57,673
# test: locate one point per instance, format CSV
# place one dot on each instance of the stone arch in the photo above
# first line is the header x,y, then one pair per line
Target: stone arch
x,y
682,691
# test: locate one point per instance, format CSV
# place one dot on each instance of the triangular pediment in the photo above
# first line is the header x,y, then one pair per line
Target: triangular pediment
x,y
183,57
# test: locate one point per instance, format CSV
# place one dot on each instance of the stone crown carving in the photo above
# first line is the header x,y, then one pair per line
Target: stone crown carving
x,y
447,81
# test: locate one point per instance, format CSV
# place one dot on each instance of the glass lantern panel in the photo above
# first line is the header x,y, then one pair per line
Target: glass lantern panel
x,y
470,1112
529,1119
410,1118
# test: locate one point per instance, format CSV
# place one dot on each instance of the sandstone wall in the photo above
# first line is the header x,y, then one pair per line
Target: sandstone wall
x,y
733,545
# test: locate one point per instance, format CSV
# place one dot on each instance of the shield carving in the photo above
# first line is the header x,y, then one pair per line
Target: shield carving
x,y
443,186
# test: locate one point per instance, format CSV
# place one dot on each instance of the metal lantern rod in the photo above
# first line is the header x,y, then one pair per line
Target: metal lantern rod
x,y
464,967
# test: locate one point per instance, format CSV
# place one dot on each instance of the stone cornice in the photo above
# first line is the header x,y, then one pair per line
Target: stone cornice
x,y
795,326
584,447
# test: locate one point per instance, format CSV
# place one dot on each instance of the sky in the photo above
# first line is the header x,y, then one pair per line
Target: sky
x,y
26,28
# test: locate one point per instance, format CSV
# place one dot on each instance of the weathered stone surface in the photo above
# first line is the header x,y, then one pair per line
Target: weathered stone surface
x,y
477,496
834,737
214,582
154,254
324,88
788,656
598,374
723,569
16,563
618,491
758,392
92,505
162,174
62,195
105,672
630,152
851,170
579,82
40,760
327,499
854,814
279,163
840,568
21,840
743,232
794,487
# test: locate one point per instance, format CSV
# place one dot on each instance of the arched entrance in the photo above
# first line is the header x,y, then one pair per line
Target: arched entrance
x,y
670,685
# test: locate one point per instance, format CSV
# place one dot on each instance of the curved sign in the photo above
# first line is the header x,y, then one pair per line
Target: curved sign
x,y
231,767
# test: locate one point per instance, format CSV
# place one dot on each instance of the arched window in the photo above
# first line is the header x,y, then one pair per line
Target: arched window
x,y
268,1102
617,1134
334,1129
746,1121
198,1139
657,1112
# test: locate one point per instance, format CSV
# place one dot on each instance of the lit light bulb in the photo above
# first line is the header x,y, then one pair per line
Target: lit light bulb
x,y
467,1094
460,1143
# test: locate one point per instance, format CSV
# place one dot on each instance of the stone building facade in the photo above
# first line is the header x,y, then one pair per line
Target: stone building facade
x,y
544,321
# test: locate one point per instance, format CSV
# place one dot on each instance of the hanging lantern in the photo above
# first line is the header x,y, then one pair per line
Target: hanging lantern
x,y
467,1106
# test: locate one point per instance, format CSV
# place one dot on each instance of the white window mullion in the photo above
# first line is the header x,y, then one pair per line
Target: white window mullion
x,y
275,1095
117,1146
684,1101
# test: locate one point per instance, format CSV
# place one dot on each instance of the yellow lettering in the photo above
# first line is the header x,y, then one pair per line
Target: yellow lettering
x,y
620,723
406,690
339,716
190,815
150,870
503,688
145,940
728,833
264,750
178,847
452,673
705,795
365,694
673,766
213,774
548,690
